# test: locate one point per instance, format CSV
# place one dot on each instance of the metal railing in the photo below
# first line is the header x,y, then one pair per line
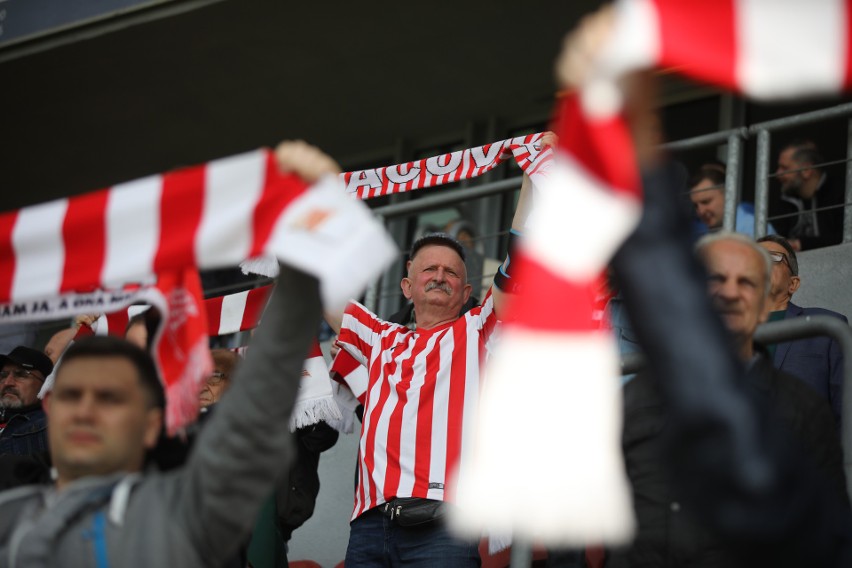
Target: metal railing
x,y
763,132
789,330
734,140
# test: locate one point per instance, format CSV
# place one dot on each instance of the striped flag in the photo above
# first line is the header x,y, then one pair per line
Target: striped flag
x,y
236,312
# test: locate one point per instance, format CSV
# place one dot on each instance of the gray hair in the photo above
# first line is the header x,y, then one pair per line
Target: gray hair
x,y
717,236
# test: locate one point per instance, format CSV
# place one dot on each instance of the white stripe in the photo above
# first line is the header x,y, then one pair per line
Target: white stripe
x,y
132,231
101,325
790,47
39,250
565,504
233,308
408,428
440,422
232,189
635,39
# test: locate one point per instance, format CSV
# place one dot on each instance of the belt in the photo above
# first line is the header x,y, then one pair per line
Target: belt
x,y
413,511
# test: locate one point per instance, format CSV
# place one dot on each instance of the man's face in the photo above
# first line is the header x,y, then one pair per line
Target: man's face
x,y
101,419
219,380
709,203
437,278
736,284
791,181
18,386
783,281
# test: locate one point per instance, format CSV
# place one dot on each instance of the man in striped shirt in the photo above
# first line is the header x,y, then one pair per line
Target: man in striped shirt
x,y
423,385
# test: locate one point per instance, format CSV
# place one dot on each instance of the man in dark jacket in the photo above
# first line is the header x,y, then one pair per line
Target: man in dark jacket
x,y
739,277
23,425
809,206
818,361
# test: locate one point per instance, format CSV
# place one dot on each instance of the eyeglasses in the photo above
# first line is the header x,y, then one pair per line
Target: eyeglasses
x,y
780,257
19,374
216,377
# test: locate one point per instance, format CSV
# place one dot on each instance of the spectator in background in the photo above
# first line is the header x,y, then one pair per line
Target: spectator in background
x,y
224,363
707,194
818,361
805,191
23,424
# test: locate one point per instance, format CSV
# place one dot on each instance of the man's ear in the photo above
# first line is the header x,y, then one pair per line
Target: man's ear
x,y
153,425
405,284
466,294
45,405
795,282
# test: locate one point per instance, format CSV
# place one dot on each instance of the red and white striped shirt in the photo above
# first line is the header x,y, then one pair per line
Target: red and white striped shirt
x,y
422,387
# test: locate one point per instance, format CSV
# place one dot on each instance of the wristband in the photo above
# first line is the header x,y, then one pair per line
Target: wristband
x,y
503,279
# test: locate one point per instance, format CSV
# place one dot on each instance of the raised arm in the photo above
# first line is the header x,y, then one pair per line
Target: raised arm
x,y
502,281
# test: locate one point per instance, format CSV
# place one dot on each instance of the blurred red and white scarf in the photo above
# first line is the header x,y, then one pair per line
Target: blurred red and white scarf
x,y
586,205
104,250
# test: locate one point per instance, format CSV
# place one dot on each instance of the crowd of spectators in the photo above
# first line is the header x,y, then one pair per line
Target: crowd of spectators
x,y
97,483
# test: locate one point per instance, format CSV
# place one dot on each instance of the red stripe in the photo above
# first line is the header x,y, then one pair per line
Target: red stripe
x,y
7,254
342,365
255,304
455,406
534,306
425,410
279,190
315,350
370,425
847,78
214,314
117,323
359,493
699,38
84,235
604,148
84,330
181,208
394,440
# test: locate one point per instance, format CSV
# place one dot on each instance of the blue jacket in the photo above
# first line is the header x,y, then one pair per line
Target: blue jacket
x,y
818,361
25,432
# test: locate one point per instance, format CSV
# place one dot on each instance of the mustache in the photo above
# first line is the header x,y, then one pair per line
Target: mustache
x,y
442,286
10,390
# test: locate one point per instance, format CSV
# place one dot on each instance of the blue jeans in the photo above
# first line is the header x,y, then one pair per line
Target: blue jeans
x,y
375,540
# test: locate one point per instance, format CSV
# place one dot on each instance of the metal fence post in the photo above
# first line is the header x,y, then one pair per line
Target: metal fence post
x,y
732,181
847,211
761,184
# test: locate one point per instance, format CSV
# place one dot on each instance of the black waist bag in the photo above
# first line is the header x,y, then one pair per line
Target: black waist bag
x,y
414,511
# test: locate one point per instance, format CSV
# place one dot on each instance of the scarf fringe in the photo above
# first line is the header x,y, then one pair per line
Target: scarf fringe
x,y
309,412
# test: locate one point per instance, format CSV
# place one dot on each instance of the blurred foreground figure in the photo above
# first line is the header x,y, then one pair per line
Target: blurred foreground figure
x,y
105,413
732,463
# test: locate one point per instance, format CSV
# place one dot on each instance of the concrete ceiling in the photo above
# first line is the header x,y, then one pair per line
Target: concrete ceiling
x,y
152,90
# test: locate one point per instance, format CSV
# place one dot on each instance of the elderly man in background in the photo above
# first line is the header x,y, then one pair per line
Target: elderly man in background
x,y
23,423
818,361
